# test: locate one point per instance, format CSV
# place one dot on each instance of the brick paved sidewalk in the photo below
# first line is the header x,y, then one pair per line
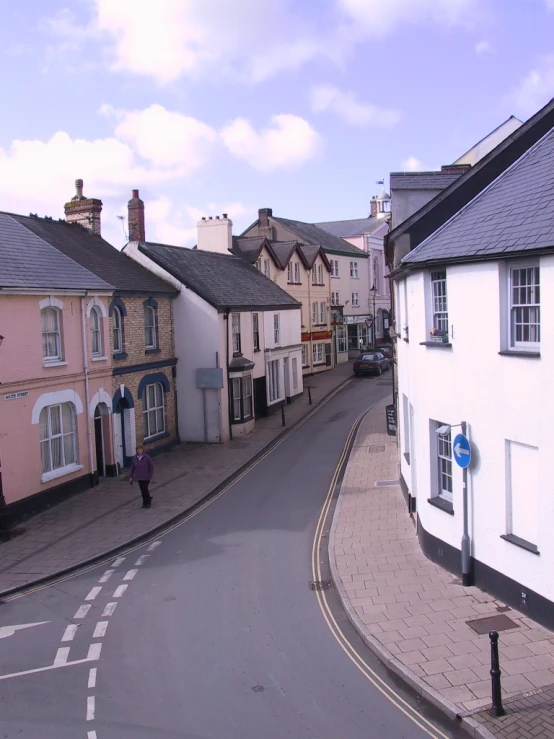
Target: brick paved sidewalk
x,y
414,614
110,515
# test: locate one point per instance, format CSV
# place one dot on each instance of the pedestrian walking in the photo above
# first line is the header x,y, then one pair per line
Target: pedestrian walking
x,y
142,469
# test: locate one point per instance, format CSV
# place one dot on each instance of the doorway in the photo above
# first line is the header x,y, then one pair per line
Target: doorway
x,y
101,436
286,372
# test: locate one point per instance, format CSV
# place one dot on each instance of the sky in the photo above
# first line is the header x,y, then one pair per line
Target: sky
x,y
212,106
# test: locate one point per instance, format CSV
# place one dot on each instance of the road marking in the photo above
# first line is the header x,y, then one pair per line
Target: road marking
x,y
382,686
106,576
118,561
109,609
100,630
92,677
54,666
93,652
82,611
90,708
69,633
141,560
118,592
130,575
93,593
154,545
6,631
91,735
62,655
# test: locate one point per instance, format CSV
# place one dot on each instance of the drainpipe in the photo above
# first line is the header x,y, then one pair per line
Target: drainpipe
x,y
87,392
226,318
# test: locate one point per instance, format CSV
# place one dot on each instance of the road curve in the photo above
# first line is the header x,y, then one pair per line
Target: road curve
x,y
212,632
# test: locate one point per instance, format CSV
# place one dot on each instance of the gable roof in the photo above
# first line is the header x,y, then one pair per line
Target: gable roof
x,y
30,262
249,246
350,228
282,251
97,256
225,281
311,234
447,203
513,214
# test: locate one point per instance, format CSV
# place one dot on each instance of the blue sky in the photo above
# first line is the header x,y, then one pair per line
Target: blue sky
x,y
209,106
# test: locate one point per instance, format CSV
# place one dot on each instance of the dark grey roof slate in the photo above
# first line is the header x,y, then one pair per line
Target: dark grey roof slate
x,y
27,261
248,246
422,180
309,233
282,251
310,253
224,281
97,256
349,228
513,214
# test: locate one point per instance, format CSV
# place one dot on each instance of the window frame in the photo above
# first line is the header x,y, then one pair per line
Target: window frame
x,y
355,300
342,338
256,331
267,271
323,314
56,333
96,332
315,310
532,327
294,372
304,355
149,410
62,434
297,273
443,464
273,381
150,310
276,328
316,352
335,272
117,330
354,275
241,398
439,301
335,297
320,274
290,275
235,333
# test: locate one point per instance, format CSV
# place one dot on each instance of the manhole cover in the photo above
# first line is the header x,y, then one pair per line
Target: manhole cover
x,y
258,688
321,584
372,449
492,623
387,483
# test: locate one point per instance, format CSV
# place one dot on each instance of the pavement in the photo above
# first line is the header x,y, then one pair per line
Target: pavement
x,y
414,614
103,519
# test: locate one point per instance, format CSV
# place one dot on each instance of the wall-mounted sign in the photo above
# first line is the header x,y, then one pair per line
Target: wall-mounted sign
x,y
356,319
16,396
391,420
210,378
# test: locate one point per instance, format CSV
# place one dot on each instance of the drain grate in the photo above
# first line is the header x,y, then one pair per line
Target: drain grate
x,y
321,584
492,623
372,449
387,483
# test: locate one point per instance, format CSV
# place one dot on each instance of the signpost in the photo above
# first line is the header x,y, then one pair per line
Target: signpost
x,y
461,449
391,420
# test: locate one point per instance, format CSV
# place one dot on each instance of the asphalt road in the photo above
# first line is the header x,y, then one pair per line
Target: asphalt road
x,y
212,631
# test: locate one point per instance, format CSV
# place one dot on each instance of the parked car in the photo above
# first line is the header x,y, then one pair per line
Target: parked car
x,y
385,350
371,363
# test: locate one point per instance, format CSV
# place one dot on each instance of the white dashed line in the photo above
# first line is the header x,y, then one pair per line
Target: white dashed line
x,y
94,652
100,630
82,611
62,655
130,575
120,590
91,735
106,576
93,593
69,633
91,705
154,545
118,561
141,560
109,609
92,677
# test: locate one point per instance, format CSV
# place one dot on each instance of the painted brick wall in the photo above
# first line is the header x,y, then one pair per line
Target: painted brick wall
x,y
133,330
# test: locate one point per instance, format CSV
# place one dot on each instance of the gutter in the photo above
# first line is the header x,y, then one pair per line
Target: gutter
x,y
226,318
87,389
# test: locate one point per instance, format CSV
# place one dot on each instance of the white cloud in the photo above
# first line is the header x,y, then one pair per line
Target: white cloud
x,y
412,164
346,106
482,47
536,89
289,141
549,5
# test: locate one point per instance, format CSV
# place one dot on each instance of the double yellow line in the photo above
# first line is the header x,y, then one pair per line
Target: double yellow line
x,y
381,685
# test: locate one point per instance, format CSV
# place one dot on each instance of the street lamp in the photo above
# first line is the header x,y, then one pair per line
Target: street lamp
x,y
374,291
466,543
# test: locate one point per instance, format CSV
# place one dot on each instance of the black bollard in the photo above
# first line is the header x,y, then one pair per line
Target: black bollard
x,y
310,394
283,415
497,708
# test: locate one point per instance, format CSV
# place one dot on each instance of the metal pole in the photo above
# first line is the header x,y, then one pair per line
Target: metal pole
x,y
205,409
310,394
282,415
497,708
374,318
466,543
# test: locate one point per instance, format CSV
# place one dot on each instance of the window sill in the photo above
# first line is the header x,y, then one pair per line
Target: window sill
x,y
318,364
444,505
435,344
257,350
55,363
155,350
120,355
157,437
519,353
335,277
237,422
99,359
520,543
407,457
61,472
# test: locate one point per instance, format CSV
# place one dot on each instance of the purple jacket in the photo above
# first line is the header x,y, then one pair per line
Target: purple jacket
x,y
141,469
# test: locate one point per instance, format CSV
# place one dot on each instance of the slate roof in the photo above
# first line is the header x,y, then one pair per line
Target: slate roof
x,y
97,256
514,214
422,180
248,246
309,233
352,227
282,251
29,262
224,281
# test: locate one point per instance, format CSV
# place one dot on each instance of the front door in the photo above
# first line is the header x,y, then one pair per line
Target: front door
x,y
287,378
260,398
99,442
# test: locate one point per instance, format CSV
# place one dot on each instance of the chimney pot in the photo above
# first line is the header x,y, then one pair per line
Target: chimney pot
x,y
211,219
84,211
203,218
135,211
225,215
135,194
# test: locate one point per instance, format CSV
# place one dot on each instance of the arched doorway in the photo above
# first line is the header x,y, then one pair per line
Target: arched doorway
x,y
123,427
101,438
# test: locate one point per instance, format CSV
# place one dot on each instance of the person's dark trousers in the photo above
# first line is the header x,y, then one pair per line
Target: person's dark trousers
x,y
146,497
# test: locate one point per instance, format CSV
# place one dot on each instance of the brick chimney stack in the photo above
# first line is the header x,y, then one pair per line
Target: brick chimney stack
x,y
85,211
373,205
264,226
135,209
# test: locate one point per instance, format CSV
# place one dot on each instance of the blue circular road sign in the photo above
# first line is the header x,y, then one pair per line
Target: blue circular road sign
x,y
461,449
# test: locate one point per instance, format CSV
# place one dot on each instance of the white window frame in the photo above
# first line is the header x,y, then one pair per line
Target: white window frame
x,y
376,277
49,471
290,276
267,268
150,311
314,275
335,297
258,265
355,300
320,274
235,333
318,353
95,320
241,389
439,300
56,334
304,359
342,338
274,384
276,329
297,273
294,368
314,313
335,268
443,464
117,331
524,307
256,331
354,270
151,410
322,314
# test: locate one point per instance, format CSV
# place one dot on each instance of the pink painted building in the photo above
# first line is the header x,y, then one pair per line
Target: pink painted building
x,y
55,373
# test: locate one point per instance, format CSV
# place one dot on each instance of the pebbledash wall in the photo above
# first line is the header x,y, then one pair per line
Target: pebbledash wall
x,y
506,402
29,384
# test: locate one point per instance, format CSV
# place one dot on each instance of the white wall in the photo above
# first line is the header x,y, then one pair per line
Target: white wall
x,y
502,399
288,348
347,285
406,202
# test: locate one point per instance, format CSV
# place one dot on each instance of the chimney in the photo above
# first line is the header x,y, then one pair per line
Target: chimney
x,y
215,234
135,209
82,210
373,204
264,226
